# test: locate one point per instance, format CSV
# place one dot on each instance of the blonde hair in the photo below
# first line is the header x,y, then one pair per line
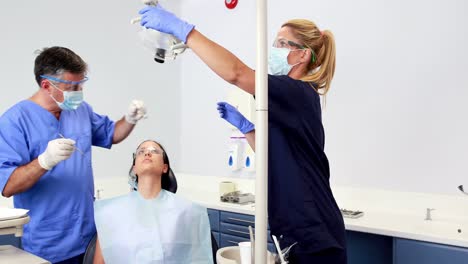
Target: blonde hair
x,y
322,43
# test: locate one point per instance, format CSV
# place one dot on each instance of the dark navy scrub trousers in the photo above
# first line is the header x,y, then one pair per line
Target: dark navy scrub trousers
x,y
301,206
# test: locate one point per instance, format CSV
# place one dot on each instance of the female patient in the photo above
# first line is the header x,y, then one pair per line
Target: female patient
x,y
151,225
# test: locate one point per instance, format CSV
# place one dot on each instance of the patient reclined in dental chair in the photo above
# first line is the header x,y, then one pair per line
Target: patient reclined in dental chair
x,y
163,229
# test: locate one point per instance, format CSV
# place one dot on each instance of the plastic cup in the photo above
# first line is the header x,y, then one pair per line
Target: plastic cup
x,y
245,252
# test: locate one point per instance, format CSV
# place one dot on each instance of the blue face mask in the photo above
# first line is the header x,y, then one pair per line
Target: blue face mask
x,y
71,99
278,61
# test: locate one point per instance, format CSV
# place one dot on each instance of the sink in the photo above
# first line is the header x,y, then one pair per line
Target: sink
x,y
231,255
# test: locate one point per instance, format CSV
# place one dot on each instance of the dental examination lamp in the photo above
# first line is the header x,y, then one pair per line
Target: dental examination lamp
x,y
164,46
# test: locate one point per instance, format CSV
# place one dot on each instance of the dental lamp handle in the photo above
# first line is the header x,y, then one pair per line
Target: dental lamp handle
x,y
146,2
159,19
135,20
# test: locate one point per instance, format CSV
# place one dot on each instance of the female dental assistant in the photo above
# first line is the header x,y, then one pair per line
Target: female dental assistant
x,y
301,206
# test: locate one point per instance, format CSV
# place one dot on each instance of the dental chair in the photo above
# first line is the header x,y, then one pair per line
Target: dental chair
x,y
169,185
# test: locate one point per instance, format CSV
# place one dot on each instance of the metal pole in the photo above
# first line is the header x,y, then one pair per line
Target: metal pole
x,y
261,135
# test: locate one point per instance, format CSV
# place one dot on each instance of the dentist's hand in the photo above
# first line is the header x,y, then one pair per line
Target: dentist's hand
x,y
136,111
56,151
233,116
157,18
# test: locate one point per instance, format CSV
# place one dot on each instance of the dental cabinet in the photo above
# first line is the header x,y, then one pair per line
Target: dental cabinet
x,y
409,252
231,228
365,248
11,230
393,229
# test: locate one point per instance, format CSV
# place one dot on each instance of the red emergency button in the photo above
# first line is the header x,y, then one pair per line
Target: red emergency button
x,y
230,3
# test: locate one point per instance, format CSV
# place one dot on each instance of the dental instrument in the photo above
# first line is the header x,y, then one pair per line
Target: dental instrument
x,y
278,249
285,251
252,244
79,150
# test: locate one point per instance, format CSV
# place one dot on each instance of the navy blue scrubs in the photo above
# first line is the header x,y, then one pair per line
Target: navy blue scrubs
x,y
301,206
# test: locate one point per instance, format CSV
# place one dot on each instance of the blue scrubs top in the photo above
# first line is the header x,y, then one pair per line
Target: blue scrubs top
x,y
301,206
61,202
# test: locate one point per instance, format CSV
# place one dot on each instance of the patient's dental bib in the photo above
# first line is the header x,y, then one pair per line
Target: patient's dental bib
x,y
166,229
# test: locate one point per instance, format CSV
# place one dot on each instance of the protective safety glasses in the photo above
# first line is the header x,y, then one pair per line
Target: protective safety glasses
x,y
74,85
152,150
288,44
292,46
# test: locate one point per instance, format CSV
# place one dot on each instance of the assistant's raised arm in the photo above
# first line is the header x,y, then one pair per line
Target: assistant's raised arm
x,y
220,60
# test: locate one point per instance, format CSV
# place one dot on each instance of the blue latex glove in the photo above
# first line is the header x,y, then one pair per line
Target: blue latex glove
x,y
233,116
157,18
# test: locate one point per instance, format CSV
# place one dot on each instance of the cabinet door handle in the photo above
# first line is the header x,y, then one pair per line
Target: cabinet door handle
x,y
239,232
241,220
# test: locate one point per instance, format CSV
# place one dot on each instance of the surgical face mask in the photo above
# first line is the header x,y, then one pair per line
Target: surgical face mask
x,y
278,61
71,99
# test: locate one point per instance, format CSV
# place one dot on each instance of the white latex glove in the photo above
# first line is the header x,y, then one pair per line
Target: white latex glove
x,y
136,111
56,151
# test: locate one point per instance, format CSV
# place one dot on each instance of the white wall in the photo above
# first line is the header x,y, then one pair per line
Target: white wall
x,y
204,135
395,117
396,114
120,68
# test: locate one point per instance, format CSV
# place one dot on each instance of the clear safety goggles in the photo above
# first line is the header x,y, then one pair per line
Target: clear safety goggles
x,y
73,85
288,44
152,150
292,46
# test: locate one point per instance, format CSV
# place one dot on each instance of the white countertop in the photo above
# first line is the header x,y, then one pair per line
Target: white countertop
x,y
390,213
395,214
388,223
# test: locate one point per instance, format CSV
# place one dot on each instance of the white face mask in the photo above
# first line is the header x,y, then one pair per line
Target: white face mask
x,y
71,99
278,61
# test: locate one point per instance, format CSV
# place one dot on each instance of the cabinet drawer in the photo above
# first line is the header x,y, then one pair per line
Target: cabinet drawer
x,y
235,230
213,215
238,219
229,241
411,251
239,230
216,236
10,240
